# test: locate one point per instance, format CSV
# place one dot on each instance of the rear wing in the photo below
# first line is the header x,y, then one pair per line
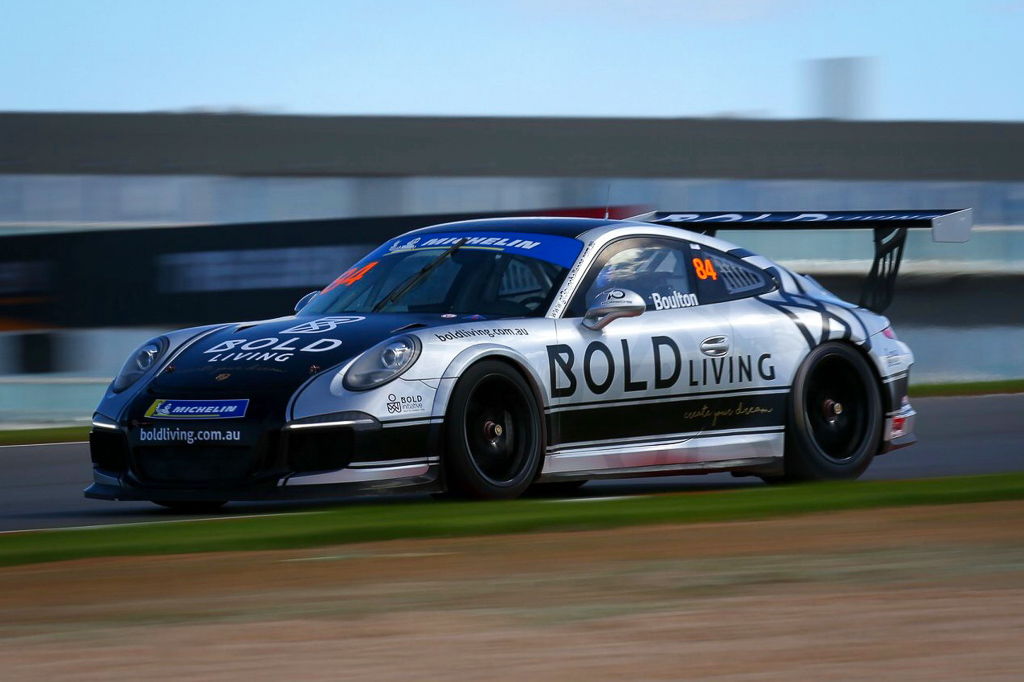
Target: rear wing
x,y
890,233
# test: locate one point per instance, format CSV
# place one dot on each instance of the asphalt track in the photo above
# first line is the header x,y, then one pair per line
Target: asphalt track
x,y
41,485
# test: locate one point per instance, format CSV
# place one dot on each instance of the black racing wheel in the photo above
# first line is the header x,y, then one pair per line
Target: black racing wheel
x,y
493,433
835,416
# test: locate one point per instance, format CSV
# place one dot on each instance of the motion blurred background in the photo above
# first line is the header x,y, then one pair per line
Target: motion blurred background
x,y
170,164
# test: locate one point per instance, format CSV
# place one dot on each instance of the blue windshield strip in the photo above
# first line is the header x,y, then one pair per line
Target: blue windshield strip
x,y
547,247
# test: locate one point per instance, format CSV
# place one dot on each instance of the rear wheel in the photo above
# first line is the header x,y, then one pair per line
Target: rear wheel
x,y
835,417
493,433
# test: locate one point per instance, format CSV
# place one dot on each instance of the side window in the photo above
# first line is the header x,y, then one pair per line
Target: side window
x,y
721,277
658,269
526,282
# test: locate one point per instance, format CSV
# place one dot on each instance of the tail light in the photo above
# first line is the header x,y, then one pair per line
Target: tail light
x,y
889,333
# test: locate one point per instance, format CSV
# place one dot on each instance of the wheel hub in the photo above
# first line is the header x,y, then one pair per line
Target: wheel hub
x,y
831,410
493,431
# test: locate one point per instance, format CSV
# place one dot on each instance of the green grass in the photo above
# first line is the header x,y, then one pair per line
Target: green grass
x,y
362,523
58,434
967,388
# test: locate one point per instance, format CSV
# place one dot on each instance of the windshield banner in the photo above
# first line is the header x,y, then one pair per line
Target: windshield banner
x,y
547,247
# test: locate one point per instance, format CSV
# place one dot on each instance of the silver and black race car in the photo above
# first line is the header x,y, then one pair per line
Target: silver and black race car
x,y
488,356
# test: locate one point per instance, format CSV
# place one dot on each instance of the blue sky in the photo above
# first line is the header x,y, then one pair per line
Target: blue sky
x,y
929,59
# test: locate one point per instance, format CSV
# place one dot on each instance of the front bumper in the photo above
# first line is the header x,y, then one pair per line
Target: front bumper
x,y
339,457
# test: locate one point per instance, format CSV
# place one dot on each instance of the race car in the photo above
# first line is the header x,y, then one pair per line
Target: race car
x,y
484,358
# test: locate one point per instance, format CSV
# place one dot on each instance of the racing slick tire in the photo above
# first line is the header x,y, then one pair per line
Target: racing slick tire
x,y
493,434
191,506
835,417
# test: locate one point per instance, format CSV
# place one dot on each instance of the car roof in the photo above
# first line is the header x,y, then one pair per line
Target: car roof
x,y
565,227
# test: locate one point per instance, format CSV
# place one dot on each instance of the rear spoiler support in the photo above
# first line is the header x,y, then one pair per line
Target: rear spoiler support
x,y
890,234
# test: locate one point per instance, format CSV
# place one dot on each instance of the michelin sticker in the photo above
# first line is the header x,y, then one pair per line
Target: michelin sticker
x,y
197,409
547,247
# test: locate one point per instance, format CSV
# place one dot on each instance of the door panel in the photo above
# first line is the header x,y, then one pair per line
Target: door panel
x,y
670,389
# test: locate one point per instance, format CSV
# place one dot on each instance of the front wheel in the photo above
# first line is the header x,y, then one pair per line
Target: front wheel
x,y
835,416
493,433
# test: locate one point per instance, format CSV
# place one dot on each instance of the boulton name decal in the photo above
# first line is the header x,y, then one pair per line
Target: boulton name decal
x,y
674,300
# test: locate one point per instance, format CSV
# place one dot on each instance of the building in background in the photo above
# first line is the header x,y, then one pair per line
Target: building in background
x,y
841,88
79,192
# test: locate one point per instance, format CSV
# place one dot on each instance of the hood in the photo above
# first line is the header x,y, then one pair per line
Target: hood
x,y
281,353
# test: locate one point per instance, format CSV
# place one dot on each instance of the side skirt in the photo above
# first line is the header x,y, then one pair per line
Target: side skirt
x,y
751,450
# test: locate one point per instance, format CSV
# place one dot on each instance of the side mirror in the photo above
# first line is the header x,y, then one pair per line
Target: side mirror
x,y
611,305
304,300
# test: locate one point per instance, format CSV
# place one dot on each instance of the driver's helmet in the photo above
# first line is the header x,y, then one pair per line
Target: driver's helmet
x,y
622,268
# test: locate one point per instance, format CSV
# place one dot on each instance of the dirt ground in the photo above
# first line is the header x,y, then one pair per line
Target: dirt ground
x,y
923,593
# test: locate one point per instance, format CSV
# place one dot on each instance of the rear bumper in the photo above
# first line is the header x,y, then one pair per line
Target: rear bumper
x,y
899,429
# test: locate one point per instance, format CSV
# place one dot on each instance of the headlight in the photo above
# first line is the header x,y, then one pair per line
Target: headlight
x,y
382,363
139,362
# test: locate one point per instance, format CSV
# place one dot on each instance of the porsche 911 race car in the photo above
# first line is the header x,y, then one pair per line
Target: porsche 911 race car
x,y
488,356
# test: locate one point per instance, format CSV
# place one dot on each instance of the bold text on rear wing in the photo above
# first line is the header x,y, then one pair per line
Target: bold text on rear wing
x,y
890,233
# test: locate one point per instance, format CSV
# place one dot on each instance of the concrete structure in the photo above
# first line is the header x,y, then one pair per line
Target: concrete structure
x,y
362,146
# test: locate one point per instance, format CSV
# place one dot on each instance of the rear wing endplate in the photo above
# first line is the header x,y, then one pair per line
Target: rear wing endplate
x,y
890,233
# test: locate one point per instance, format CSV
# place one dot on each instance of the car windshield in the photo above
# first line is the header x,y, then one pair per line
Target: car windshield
x,y
486,273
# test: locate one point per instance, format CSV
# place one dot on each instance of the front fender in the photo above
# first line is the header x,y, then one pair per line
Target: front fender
x,y
469,356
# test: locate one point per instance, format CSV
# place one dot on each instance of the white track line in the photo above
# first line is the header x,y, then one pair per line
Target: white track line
x,y
157,523
36,445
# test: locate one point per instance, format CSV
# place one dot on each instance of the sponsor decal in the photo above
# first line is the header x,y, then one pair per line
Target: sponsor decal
x,y
552,248
569,285
788,217
269,349
438,242
704,268
351,276
899,427
323,324
197,409
740,409
674,300
600,368
405,404
489,332
174,434
698,413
